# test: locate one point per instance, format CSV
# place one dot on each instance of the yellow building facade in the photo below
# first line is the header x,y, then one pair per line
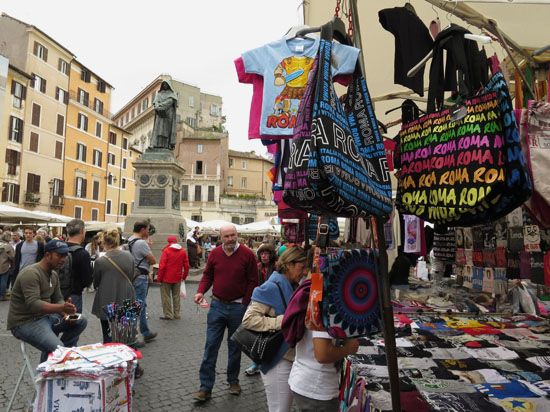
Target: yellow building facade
x,y
87,156
247,175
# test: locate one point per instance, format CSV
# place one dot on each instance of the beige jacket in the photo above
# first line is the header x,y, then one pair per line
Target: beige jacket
x,y
261,318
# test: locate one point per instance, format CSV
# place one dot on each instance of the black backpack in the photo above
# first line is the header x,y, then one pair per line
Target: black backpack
x,y
137,270
65,273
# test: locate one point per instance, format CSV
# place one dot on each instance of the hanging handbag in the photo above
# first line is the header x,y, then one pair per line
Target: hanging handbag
x,y
261,347
347,166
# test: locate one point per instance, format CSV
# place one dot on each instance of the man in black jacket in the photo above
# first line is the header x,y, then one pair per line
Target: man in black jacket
x,y
27,253
81,268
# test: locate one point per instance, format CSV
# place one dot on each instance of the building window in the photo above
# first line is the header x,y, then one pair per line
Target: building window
x,y
243,182
199,148
60,127
33,183
125,143
16,129
85,75
144,104
80,187
35,120
33,145
95,190
98,129
210,193
123,183
123,209
58,150
196,218
236,220
124,163
78,212
19,93
98,106
108,207
229,181
191,101
198,193
191,121
82,122
81,152
198,167
185,193
38,83
13,159
230,162
97,158
101,86
95,215
40,51
243,164
61,95
248,220
83,97
133,113
63,66
58,188
112,138
111,158
214,110
10,192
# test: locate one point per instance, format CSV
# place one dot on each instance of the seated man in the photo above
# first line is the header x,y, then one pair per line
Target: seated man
x,y
37,313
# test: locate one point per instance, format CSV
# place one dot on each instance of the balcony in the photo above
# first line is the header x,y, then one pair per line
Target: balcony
x,y
57,202
32,199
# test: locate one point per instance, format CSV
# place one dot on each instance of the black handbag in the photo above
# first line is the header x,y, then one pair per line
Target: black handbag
x,y
261,347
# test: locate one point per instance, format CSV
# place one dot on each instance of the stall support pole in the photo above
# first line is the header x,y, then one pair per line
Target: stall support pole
x,y
387,317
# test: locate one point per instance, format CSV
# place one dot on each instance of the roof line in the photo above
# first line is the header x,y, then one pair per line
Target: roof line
x,y
21,72
94,73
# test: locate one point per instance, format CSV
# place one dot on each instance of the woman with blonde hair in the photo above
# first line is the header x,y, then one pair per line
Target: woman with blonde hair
x,y
265,313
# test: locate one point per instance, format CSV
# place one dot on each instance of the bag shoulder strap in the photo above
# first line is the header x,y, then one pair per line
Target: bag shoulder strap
x,y
282,296
119,269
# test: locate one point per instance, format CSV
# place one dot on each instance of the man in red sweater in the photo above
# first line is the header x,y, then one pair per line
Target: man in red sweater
x,y
232,273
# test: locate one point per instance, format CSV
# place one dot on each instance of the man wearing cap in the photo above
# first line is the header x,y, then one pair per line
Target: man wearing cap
x,y
173,269
38,313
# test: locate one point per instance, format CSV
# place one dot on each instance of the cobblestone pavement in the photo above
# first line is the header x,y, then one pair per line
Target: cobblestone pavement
x,y
171,363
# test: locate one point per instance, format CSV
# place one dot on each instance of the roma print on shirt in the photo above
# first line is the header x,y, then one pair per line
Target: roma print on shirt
x,y
290,75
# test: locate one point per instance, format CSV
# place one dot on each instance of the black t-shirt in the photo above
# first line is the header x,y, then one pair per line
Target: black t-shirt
x,y
81,269
412,43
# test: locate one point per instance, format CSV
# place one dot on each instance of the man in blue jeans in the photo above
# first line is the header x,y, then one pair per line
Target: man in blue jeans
x,y
38,313
232,273
143,259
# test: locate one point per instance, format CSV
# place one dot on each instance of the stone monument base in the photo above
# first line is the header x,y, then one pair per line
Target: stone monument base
x,y
158,179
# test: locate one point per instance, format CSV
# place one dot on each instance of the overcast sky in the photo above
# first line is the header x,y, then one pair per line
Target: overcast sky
x,y
129,43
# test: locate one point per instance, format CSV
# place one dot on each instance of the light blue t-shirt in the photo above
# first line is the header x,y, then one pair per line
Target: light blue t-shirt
x,y
285,66
28,254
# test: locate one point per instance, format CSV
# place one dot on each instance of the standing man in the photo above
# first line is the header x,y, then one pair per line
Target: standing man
x,y
28,252
37,313
143,259
7,257
232,273
15,238
80,263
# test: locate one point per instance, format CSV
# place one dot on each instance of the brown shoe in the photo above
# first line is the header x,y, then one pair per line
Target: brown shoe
x,y
235,389
202,396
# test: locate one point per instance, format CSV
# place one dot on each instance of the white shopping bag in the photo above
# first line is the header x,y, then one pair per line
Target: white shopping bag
x,y
183,290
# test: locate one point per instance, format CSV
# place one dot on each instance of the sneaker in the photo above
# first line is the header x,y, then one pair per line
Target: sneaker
x,y
252,370
235,389
150,337
202,396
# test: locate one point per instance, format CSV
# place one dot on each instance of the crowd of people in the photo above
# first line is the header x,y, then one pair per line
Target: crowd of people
x,y
47,276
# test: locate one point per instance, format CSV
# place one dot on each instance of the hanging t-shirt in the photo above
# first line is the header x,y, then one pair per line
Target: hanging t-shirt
x,y
285,66
412,43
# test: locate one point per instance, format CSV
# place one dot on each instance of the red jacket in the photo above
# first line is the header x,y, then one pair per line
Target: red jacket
x,y
174,264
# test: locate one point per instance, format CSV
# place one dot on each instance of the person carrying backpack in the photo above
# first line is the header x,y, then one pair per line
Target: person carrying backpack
x,y
143,259
75,275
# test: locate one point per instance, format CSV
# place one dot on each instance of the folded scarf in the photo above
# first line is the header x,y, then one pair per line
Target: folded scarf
x,y
293,325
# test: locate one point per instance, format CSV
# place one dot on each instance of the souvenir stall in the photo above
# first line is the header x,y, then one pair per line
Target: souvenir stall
x,y
461,165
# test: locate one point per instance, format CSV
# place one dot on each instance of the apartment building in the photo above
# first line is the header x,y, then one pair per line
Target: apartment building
x,y
13,91
40,133
87,157
121,185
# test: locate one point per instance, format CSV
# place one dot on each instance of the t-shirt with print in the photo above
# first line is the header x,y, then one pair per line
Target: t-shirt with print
x,y
139,249
285,66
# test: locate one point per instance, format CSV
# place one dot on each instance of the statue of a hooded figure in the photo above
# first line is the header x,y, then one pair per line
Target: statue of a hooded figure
x,y
164,129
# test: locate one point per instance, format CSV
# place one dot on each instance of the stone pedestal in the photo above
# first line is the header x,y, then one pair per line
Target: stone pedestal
x,y
158,187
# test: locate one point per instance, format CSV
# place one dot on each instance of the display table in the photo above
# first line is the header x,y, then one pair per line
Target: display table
x,y
96,378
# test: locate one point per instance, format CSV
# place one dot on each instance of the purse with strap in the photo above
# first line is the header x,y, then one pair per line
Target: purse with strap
x,y
261,347
120,270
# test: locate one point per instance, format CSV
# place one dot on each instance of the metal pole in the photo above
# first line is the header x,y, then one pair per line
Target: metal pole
x,y
357,33
387,317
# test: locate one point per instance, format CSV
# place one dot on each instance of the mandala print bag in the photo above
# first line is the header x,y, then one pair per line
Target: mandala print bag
x,y
351,305
347,167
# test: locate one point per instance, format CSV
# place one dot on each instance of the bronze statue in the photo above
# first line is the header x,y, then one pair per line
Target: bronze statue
x,y
164,129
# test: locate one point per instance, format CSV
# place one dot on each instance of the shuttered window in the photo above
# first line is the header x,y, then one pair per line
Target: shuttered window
x,y
13,159
16,129
36,115
33,145
58,150
60,125
95,191
33,183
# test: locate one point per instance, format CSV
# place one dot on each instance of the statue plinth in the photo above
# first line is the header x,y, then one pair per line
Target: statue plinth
x,y
158,184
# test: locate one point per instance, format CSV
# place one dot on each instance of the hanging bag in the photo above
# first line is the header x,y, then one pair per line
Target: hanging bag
x,y
347,167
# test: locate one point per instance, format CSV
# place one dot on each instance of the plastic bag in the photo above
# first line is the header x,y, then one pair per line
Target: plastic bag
x,y
183,290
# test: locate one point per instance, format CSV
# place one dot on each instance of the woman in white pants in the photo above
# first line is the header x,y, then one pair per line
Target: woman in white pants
x,y
265,313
